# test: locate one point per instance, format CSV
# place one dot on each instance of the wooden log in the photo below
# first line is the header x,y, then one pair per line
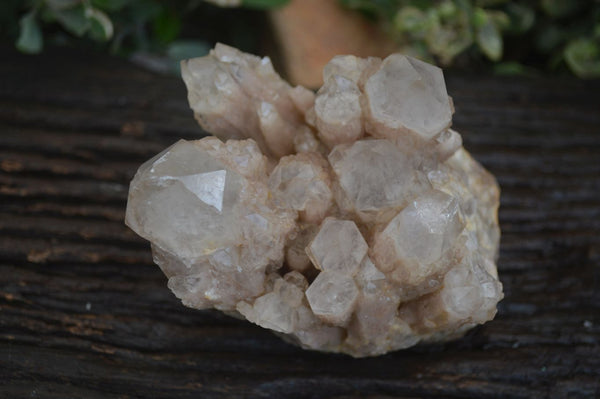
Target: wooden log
x,y
85,314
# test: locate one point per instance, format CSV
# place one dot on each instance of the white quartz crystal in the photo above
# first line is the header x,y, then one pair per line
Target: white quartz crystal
x,y
338,115
293,175
407,95
238,95
388,182
411,245
332,297
338,247
351,221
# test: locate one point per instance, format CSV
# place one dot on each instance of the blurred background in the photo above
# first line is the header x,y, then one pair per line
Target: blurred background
x,y
524,37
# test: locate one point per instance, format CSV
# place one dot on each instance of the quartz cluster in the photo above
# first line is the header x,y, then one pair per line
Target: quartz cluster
x,y
351,220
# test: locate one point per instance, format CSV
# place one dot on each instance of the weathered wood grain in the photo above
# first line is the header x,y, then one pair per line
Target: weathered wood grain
x,y
85,314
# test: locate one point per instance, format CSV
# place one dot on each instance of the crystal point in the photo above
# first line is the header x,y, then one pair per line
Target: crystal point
x,y
332,297
407,95
338,247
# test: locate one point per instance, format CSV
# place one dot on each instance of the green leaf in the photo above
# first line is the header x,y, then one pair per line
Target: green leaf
x,y
411,20
30,36
447,9
264,4
73,20
166,26
480,17
448,37
184,49
487,35
499,18
513,69
101,27
583,57
521,17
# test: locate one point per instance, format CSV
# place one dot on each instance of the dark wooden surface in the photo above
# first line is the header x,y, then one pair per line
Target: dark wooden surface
x,y
85,314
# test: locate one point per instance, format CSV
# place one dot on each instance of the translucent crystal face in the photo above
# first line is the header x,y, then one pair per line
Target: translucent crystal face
x,y
332,297
192,197
338,247
409,94
418,237
382,185
348,221
302,182
338,112
266,108
370,279
426,228
348,66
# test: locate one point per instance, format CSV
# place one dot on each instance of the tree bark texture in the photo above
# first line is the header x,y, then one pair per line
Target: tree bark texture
x,y
84,313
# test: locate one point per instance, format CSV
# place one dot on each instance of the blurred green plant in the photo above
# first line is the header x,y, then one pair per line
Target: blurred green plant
x,y
147,30
145,23
509,33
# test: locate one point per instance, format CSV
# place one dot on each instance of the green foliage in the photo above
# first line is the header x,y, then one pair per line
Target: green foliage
x,y
554,33
147,31
557,34
513,68
583,56
521,18
30,39
166,26
128,26
487,33
184,49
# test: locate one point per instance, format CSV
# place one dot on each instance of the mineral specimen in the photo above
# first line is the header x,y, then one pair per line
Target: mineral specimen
x,y
348,221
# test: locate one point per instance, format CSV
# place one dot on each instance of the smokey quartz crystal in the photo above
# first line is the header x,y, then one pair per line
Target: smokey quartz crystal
x,y
351,220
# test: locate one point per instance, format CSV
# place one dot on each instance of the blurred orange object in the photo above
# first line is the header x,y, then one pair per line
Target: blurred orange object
x,y
311,32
